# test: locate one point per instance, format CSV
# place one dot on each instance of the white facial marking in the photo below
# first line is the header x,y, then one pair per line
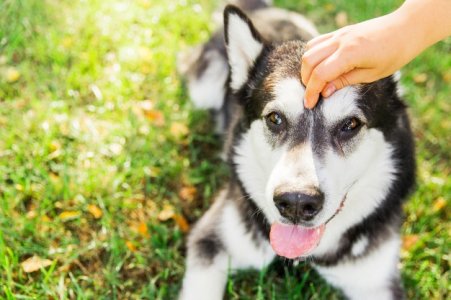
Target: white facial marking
x,y
247,254
255,160
242,50
207,92
340,105
295,169
288,95
369,170
359,247
368,277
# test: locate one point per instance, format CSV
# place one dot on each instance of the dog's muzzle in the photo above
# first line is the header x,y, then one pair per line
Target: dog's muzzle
x,y
299,206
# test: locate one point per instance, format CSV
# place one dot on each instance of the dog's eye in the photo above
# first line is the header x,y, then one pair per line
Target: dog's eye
x,y
275,118
350,125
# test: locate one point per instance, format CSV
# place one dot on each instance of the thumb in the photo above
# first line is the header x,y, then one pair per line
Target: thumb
x,y
352,77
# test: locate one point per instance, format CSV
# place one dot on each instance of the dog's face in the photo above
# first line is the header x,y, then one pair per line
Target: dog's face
x,y
306,167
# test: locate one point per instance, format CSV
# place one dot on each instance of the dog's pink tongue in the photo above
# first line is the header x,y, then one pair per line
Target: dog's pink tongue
x,y
292,241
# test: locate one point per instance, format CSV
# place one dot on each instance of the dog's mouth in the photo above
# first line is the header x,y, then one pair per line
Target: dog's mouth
x,y
292,241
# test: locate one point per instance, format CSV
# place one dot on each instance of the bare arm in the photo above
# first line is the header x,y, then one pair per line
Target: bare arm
x,y
373,49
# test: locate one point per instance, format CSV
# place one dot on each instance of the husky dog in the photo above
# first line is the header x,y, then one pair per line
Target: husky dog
x,y
325,184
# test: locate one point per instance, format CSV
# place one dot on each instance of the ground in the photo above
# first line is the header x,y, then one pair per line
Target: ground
x,y
105,165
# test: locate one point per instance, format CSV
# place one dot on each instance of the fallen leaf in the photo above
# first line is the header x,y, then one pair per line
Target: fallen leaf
x,y
69,215
155,116
181,222
35,263
408,241
55,146
166,213
143,230
439,204
447,76
146,105
12,75
341,19
67,42
95,211
130,246
329,7
420,78
188,193
179,129
31,214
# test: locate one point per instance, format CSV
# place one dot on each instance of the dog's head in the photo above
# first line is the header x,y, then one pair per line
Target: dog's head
x,y
306,169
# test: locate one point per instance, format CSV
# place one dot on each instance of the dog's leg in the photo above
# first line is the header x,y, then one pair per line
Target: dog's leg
x,y
372,276
221,242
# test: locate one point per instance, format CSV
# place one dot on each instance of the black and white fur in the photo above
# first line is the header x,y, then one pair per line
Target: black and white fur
x,y
365,174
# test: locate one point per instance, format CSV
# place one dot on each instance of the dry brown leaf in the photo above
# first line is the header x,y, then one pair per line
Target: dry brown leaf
x,y
188,193
341,19
166,213
130,246
35,263
439,204
181,222
408,241
95,211
420,78
155,116
31,214
179,129
12,75
69,215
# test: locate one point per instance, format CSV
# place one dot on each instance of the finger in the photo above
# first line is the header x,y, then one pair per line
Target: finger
x,y
316,40
313,57
326,71
353,77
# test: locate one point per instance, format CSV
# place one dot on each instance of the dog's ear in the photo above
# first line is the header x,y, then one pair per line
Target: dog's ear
x,y
244,45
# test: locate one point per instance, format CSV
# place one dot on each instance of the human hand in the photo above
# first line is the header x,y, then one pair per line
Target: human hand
x,y
360,53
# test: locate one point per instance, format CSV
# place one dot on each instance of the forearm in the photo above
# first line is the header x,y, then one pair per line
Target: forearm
x,y
427,21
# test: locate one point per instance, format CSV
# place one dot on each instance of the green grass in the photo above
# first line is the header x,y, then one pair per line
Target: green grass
x,y
93,114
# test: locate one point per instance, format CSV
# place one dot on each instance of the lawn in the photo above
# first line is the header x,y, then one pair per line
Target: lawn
x,y
105,165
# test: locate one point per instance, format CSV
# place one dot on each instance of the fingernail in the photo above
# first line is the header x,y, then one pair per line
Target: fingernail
x,y
306,103
329,90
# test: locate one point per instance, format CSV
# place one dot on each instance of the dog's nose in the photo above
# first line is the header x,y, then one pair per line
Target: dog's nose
x,y
299,206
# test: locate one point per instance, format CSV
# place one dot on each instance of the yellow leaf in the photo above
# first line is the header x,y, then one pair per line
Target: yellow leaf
x,y
439,204
95,211
179,129
408,241
35,263
181,222
447,76
54,146
69,215
155,116
188,193
130,246
67,42
12,75
166,213
143,230
420,78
